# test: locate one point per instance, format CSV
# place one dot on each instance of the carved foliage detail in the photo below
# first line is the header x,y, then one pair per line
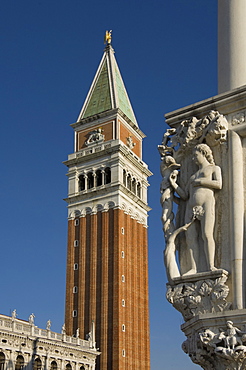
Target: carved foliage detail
x,y
201,297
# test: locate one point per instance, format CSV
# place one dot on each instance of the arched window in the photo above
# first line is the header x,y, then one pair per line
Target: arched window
x,y
107,175
37,364
124,177
53,365
90,180
98,178
82,368
68,367
138,190
19,362
81,182
2,360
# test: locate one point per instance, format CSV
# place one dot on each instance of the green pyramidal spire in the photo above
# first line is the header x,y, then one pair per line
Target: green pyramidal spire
x,y
107,90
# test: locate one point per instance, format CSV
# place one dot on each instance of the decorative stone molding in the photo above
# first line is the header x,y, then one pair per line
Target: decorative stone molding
x,y
104,208
207,294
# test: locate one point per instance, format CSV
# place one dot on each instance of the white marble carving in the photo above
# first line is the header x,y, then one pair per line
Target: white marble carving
x,y
129,142
202,296
199,191
95,136
220,348
191,178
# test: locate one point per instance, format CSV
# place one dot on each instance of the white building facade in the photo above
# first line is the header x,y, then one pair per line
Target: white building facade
x,y
25,346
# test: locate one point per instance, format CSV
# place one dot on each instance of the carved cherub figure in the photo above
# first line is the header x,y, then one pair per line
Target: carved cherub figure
x,y
199,191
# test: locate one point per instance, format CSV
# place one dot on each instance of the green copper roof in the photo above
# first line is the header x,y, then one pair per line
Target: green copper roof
x,y
107,90
100,96
123,100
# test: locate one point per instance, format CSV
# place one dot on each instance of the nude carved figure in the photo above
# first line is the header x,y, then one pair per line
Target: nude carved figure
x,y
199,191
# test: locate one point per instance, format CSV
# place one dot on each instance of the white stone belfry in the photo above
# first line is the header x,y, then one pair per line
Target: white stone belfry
x,y
203,156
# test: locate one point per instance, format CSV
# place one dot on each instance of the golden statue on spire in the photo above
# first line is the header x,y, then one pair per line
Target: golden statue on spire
x,y
108,37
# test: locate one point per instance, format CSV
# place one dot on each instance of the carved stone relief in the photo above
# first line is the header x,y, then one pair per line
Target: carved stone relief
x,y
95,136
220,348
191,179
129,142
202,296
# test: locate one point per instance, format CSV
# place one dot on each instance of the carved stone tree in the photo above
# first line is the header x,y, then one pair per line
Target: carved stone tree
x,y
202,168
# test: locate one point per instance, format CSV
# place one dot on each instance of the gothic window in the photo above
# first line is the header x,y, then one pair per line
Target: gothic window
x,y
138,190
2,360
98,178
90,180
107,175
81,182
53,365
37,364
19,363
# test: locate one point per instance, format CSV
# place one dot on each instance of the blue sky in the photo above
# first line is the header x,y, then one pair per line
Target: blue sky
x,y
167,53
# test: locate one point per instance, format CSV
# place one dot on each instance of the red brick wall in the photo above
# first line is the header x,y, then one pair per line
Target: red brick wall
x,y
125,133
101,290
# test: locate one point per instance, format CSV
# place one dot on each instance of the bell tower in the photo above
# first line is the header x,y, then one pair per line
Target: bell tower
x,y
107,255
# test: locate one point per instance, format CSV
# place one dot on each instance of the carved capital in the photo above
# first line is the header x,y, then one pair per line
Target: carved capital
x,y
199,294
221,346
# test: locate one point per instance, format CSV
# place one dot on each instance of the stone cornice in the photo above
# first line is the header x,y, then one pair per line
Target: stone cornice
x,y
226,103
112,147
108,115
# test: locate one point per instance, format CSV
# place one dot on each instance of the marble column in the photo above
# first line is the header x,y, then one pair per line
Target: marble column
x,y
231,44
